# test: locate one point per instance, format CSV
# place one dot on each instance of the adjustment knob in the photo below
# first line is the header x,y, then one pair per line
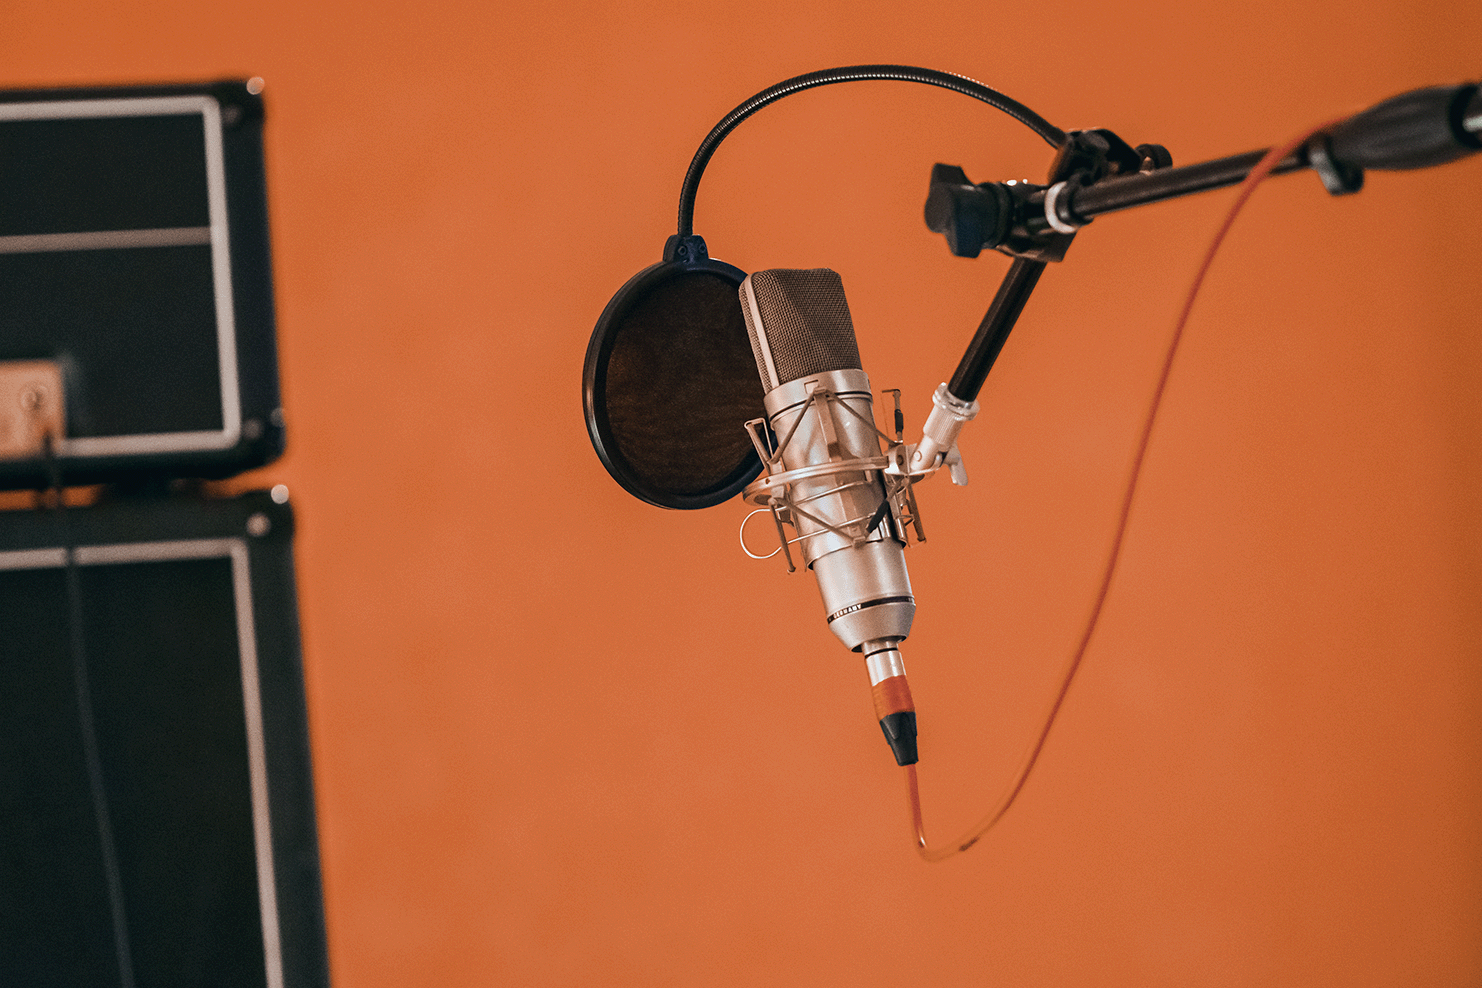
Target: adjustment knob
x,y
970,216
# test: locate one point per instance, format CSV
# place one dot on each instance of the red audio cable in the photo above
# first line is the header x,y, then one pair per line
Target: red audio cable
x,y
1021,776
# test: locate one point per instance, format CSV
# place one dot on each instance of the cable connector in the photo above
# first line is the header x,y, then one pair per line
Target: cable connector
x,y
894,707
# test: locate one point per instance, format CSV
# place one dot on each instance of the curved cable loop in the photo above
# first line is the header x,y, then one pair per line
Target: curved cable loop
x,y
1052,135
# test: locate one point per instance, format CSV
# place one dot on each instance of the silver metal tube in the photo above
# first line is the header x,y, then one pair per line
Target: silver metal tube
x,y
943,426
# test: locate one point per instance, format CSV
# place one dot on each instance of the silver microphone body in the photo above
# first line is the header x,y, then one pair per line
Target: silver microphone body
x,y
820,411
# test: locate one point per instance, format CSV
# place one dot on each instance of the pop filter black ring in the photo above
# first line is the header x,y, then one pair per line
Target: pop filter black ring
x,y
684,259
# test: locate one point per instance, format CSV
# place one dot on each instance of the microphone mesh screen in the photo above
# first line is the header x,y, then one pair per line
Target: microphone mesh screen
x,y
679,385
806,321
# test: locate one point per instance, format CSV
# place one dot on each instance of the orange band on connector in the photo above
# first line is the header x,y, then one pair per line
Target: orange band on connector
x,y
892,696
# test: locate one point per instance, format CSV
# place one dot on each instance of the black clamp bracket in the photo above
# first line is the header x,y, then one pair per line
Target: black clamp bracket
x,y
1025,220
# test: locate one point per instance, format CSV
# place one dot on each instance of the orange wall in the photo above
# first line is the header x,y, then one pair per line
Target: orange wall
x,y
536,701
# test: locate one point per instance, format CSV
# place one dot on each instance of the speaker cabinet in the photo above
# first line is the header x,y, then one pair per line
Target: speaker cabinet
x,y
134,265
156,800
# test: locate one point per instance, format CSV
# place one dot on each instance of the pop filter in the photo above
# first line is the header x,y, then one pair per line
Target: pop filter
x,y
670,380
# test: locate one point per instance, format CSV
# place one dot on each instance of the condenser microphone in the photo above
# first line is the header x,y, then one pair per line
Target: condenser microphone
x,y
828,467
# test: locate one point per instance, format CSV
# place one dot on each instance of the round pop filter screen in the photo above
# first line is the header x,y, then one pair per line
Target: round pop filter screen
x,y
670,382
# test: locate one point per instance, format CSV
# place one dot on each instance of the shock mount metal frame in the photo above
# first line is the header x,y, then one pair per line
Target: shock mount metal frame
x,y
774,490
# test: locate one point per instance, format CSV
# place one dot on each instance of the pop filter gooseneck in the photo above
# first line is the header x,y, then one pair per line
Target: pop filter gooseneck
x,y
1053,135
670,378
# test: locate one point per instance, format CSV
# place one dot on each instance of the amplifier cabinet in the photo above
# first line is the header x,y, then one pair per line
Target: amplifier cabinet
x,y
156,800
134,265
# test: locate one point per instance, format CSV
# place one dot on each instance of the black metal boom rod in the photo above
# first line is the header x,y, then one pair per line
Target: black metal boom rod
x,y
993,331
1113,194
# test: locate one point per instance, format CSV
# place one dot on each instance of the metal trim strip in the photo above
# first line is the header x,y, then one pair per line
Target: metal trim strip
x,y
40,243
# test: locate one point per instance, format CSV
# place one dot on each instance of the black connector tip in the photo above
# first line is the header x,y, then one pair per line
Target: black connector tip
x,y
900,733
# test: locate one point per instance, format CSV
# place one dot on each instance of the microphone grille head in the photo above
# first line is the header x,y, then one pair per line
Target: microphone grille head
x,y
799,324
